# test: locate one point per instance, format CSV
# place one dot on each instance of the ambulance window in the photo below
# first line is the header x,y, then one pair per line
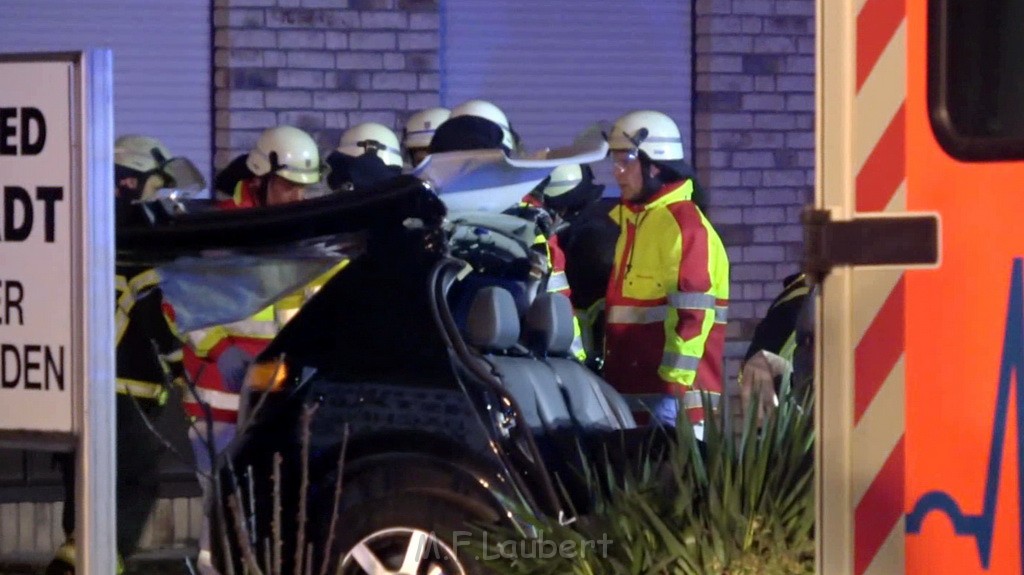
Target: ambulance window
x,y
976,77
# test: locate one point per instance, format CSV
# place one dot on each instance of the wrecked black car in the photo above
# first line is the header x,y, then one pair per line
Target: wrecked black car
x,y
427,386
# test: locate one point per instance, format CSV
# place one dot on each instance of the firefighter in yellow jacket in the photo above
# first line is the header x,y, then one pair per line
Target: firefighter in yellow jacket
x,y
669,291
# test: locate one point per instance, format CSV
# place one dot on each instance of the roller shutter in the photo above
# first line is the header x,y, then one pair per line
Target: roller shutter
x,y
162,60
556,67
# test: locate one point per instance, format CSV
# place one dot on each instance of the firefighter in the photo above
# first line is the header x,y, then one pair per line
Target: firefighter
x,y
532,208
278,170
367,154
143,165
586,235
418,131
148,358
488,111
776,332
669,294
468,133
770,357
571,193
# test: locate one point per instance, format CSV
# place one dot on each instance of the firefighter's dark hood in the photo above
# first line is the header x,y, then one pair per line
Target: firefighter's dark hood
x,y
357,172
467,133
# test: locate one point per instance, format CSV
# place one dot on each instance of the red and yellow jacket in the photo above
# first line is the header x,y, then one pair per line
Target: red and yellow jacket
x,y
667,301
205,346
252,335
242,196
558,282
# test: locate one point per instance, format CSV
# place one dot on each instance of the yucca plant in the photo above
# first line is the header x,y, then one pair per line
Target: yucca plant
x,y
741,503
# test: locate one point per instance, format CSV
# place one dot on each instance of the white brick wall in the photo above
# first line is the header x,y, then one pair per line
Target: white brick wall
x,y
323,65
755,143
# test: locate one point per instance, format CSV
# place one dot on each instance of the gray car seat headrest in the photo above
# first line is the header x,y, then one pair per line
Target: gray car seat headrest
x,y
493,322
549,324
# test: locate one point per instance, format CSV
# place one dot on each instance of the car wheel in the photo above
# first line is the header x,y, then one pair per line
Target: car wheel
x,y
401,550
406,535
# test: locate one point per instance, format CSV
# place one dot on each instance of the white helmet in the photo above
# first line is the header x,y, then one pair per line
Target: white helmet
x,y
488,111
563,179
138,166
360,138
288,152
140,153
143,165
420,127
650,132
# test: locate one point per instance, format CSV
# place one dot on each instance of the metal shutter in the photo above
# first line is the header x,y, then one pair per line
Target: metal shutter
x,y
162,60
555,67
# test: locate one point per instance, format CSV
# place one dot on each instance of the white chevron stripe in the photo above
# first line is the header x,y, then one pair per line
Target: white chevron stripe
x,y
891,555
871,442
869,290
878,432
898,203
881,96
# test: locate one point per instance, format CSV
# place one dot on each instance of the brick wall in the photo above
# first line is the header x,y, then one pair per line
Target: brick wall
x,y
754,110
321,65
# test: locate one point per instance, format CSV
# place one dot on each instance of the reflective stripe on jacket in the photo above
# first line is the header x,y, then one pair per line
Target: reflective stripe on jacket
x,y
204,346
558,282
243,195
251,335
776,332
148,355
668,298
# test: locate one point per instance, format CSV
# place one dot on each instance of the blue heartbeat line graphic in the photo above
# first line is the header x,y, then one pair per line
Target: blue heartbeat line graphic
x,y
1011,371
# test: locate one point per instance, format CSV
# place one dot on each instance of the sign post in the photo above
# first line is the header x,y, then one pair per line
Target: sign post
x,y
57,365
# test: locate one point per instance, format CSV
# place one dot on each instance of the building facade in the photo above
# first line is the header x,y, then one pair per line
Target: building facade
x,y
325,65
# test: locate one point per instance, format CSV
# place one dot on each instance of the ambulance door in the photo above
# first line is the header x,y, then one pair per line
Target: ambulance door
x,y
861,240
963,333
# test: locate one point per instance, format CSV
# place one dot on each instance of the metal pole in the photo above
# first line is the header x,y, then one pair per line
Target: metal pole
x,y
95,522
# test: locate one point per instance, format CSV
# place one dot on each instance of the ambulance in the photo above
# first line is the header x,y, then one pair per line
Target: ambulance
x,y
917,240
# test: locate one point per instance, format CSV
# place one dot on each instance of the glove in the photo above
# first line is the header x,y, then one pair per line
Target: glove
x,y
757,382
232,365
666,412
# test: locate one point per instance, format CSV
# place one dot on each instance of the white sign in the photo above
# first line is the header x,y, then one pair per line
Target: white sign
x,y
57,276
36,247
